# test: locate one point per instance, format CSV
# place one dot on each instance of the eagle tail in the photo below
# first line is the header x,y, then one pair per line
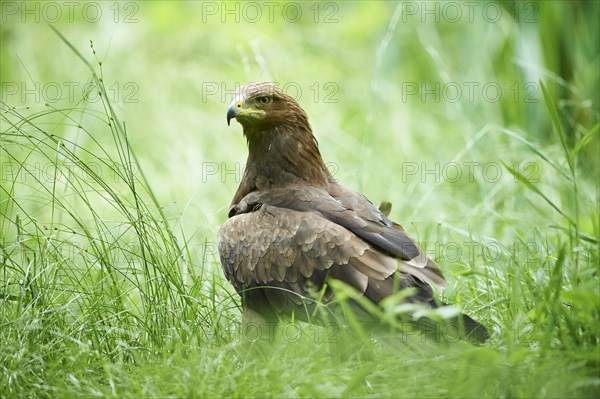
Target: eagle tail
x,y
465,326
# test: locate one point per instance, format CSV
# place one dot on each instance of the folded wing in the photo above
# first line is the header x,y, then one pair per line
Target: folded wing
x,y
292,239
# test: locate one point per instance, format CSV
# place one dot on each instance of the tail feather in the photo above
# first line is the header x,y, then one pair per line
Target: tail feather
x,y
465,326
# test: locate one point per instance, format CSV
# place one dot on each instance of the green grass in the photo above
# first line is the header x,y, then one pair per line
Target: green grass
x,y
110,283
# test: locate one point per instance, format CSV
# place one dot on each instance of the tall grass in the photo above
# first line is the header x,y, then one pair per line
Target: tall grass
x,y
92,271
104,293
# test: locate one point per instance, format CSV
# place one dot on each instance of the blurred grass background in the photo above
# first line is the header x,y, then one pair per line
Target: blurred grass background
x,y
114,184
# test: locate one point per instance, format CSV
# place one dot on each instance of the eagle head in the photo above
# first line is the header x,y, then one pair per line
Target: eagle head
x,y
262,106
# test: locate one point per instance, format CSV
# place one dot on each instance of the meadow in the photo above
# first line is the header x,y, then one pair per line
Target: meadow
x,y
477,120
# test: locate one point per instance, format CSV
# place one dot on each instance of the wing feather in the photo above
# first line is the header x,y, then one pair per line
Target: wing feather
x,y
366,221
349,210
292,251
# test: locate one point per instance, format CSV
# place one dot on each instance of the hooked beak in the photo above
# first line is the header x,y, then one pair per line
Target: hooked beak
x,y
234,110
240,111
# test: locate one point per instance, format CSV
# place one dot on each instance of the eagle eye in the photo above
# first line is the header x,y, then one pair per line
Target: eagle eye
x,y
264,100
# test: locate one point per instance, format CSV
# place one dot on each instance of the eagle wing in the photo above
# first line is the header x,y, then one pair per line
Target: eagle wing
x,y
282,244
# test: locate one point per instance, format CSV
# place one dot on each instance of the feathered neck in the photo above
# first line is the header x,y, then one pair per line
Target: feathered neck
x,y
286,154
281,151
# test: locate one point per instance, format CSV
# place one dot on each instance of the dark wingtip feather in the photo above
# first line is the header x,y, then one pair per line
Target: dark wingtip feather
x,y
466,327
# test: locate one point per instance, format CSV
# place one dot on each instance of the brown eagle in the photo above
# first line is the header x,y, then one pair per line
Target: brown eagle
x,y
292,226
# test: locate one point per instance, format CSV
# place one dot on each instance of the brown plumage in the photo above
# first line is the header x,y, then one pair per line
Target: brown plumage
x,y
292,227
